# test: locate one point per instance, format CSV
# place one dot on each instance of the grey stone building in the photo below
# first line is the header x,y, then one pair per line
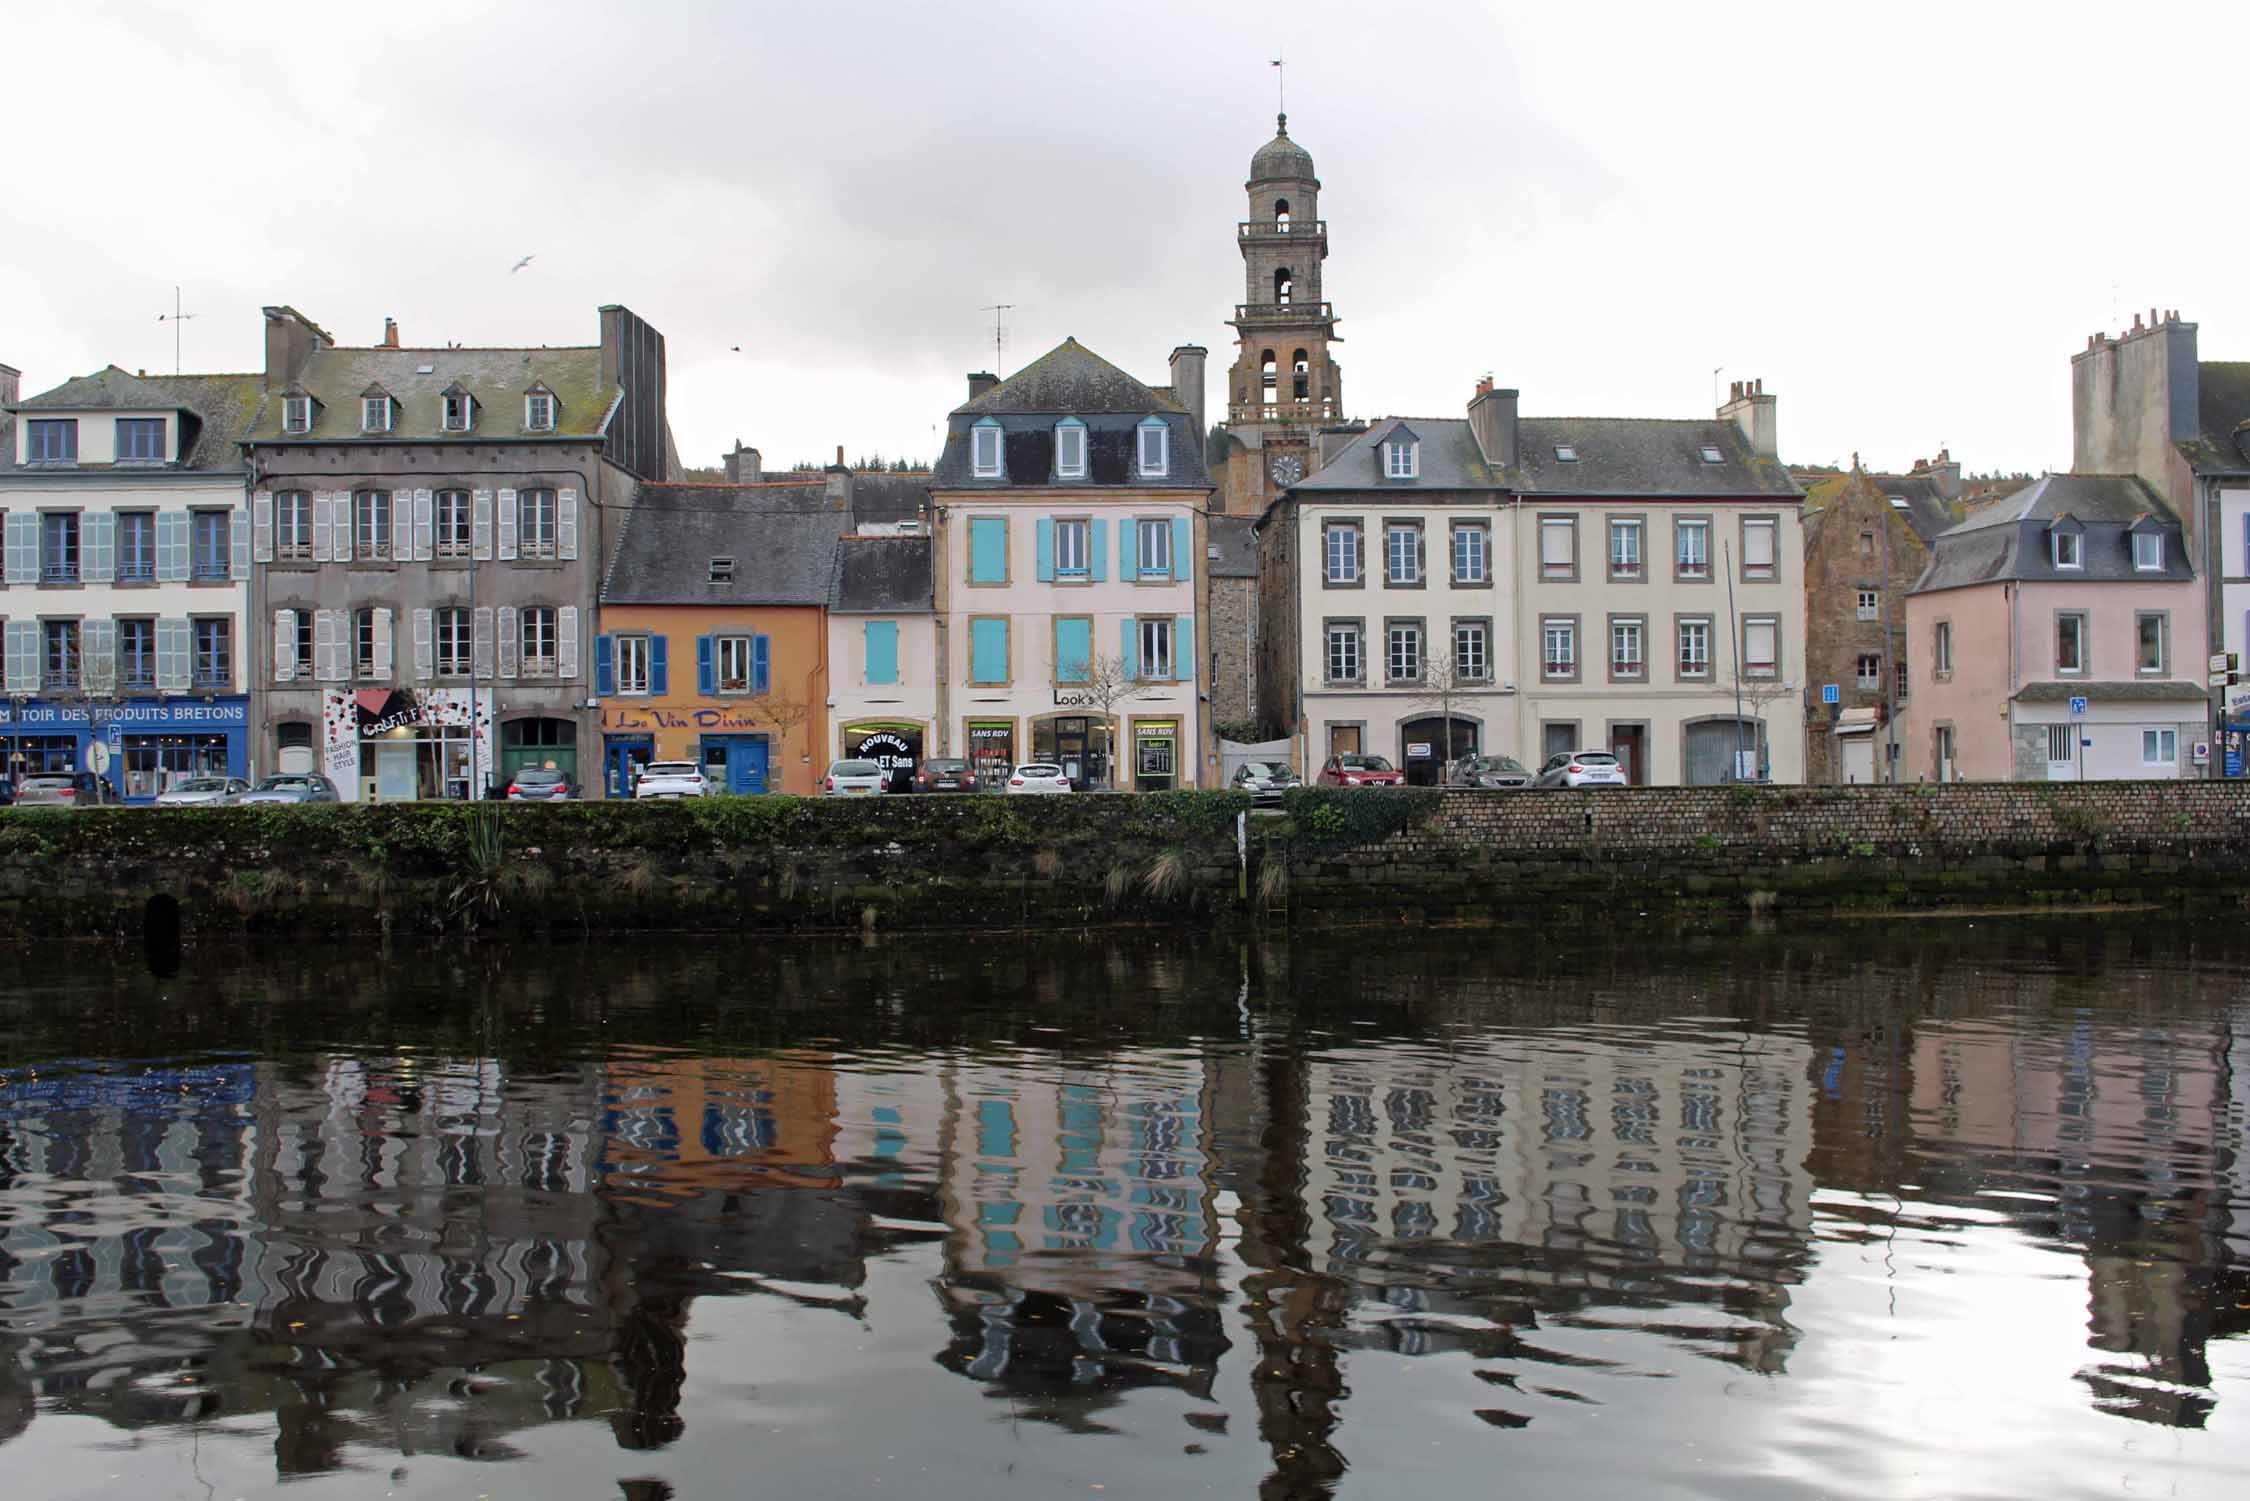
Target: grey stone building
x,y
1231,564
428,530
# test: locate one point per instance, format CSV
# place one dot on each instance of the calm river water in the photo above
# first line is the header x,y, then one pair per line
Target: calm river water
x,y
1918,1208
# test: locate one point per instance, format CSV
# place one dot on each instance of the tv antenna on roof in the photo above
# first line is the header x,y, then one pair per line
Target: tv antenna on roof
x,y
999,332
176,318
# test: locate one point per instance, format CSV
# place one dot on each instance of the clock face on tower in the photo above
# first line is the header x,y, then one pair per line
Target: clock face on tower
x,y
1288,469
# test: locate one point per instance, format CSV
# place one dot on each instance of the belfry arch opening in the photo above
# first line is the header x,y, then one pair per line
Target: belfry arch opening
x,y
1266,376
1284,286
1281,214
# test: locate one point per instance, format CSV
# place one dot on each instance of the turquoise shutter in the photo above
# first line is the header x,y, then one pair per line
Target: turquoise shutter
x,y
988,651
659,670
1097,548
882,651
1183,649
1074,647
605,666
23,551
98,658
1045,529
706,665
172,654
1129,647
1183,549
172,546
988,550
100,536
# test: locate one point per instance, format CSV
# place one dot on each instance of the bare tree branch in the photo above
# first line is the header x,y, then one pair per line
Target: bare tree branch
x,y
1104,685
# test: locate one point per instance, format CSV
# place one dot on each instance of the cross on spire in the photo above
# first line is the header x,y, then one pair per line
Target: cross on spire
x,y
1281,89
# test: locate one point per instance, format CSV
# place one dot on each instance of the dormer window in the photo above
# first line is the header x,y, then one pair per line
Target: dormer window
x,y
2068,549
722,570
1711,455
1566,453
1156,449
140,439
1070,449
51,440
2148,552
1402,459
374,414
296,414
460,410
985,449
539,411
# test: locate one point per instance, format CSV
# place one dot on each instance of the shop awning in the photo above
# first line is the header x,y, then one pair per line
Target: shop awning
x,y
1858,721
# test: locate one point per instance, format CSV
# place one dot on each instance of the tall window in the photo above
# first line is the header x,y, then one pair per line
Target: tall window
x,y
58,548
136,655
2148,552
1691,549
292,524
1472,651
1342,550
214,652
734,664
371,524
1070,546
1156,649
1898,690
2069,549
1345,662
1624,548
1070,449
1761,646
984,449
1402,549
140,437
2150,630
51,440
453,641
1154,551
1558,547
1945,752
1868,605
535,523
363,643
1472,553
1941,649
1694,648
1870,675
538,626
1759,547
2070,643
453,522
60,669
214,546
632,664
1628,649
296,414
1403,651
304,646
1559,648
1156,449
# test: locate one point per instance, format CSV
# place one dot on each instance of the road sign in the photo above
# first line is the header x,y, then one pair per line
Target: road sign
x,y
2078,707
2218,662
2202,752
1831,694
97,756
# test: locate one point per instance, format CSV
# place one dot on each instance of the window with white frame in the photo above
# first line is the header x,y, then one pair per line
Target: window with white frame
x,y
538,630
453,523
1628,649
1403,651
538,411
734,664
1870,604
1401,459
1472,552
2069,549
296,414
1558,547
1624,547
459,408
1870,675
371,524
1472,651
1898,690
632,664
1153,547
1346,663
1341,549
292,525
2070,643
1941,649
2152,631
1402,552
1945,747
1759,534
984,449
2160,747
2148,552
1070,449
1155,450
1070,549
1761,647
1691,549
1156,648
535,523
453,641
1694,648
375,414
1559,648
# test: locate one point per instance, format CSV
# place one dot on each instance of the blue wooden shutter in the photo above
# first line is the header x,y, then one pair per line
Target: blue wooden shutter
x,y
1045,529
988,550
605,666
100,541
172,546
659,672
882,651
1183,649
1183,549
1097,549
761,664
706,665
1129,647
23,549
1074,646
988,651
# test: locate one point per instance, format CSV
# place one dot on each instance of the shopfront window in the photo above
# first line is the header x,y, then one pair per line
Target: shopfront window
x,y
992,748
154,762
1156,755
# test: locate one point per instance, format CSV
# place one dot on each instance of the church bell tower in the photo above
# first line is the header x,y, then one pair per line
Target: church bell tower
x,y
1284,385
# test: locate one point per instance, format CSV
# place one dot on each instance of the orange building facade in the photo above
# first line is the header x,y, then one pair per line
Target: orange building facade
x,y
742,692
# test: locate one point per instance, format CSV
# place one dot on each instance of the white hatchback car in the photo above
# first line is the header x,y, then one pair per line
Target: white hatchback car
x,y
854,778
1036,777
1581,768
671,779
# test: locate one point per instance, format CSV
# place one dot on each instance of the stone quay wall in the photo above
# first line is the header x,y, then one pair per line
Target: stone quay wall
x,y
1372,855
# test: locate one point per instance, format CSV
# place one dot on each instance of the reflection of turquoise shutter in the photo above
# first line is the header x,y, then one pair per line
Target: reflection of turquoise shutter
x,y
761,664
1129,647
1183,649
706,665
23,549
172,654
1097,548
238,565
1183,549
23,650
882,651
1074,645
1045,529
172,546
988,550
100,530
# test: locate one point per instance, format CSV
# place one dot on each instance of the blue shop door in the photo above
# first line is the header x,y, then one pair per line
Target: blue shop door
x,y
736,763
623,756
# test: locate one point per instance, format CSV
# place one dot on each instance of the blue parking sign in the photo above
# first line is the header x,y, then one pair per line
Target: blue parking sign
x,y
1831,694
2078,707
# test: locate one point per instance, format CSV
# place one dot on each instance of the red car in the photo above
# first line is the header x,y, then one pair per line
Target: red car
x,y
1360,771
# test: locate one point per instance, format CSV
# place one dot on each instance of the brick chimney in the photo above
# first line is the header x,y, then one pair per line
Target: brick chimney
x,y
1492,422
981,381
1752,410
1187,384
1945,469
291,340
839,477
390,334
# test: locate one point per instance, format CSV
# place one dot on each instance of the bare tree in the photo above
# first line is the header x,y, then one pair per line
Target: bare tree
x,y
784,713
1107,684
1758,692
1444,686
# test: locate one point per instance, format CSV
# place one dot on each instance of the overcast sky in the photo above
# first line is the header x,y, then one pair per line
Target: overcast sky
x,y
1904,219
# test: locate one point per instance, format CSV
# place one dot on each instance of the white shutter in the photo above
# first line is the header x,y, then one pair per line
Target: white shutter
x,y
481,644
480,528
566,642
1554,543
566,522
172,655
324,526
382,644
261,527
425,526
402,525
509,630
238,545
99,657
285,646
425,651
507,524
324,645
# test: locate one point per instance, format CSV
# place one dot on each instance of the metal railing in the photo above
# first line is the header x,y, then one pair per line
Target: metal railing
x,y
1283,312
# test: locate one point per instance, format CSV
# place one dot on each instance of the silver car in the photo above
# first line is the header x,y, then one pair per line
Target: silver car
x,y
293,787
1581,768
855,778
66,789
202,792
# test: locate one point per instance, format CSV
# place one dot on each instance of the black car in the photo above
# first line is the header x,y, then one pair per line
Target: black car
x,y
945,774
1265,781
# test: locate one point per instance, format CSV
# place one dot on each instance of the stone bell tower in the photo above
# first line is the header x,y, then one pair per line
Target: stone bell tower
x,y
1284,385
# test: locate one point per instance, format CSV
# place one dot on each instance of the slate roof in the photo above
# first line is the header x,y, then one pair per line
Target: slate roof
x,y
219,410
2008,539
1070,380
1926,511
1650,456
882,576
1236,547
1450,460
2177,690
1280,157
884,497
497,378
782,538
2222,443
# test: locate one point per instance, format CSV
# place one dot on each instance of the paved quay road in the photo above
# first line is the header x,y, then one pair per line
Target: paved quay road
x,y
1925,1208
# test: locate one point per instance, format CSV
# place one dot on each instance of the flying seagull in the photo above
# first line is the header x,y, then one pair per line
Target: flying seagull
x,y
518,266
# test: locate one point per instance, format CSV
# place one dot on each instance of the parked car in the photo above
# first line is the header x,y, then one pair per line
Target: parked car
x,y
1265,781
1581,768
855,779
66,789
1488,771
540,784
945,774
1036,777
671,779
293,787
1357,770
202,792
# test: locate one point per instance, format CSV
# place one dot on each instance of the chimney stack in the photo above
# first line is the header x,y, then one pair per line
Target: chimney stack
x,y
981,381
390,334
744,466
11,385
1751,410
1187,384
1492,422
839,483
291,339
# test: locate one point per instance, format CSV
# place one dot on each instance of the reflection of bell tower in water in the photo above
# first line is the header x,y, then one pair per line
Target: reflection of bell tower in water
x,y
1284,386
